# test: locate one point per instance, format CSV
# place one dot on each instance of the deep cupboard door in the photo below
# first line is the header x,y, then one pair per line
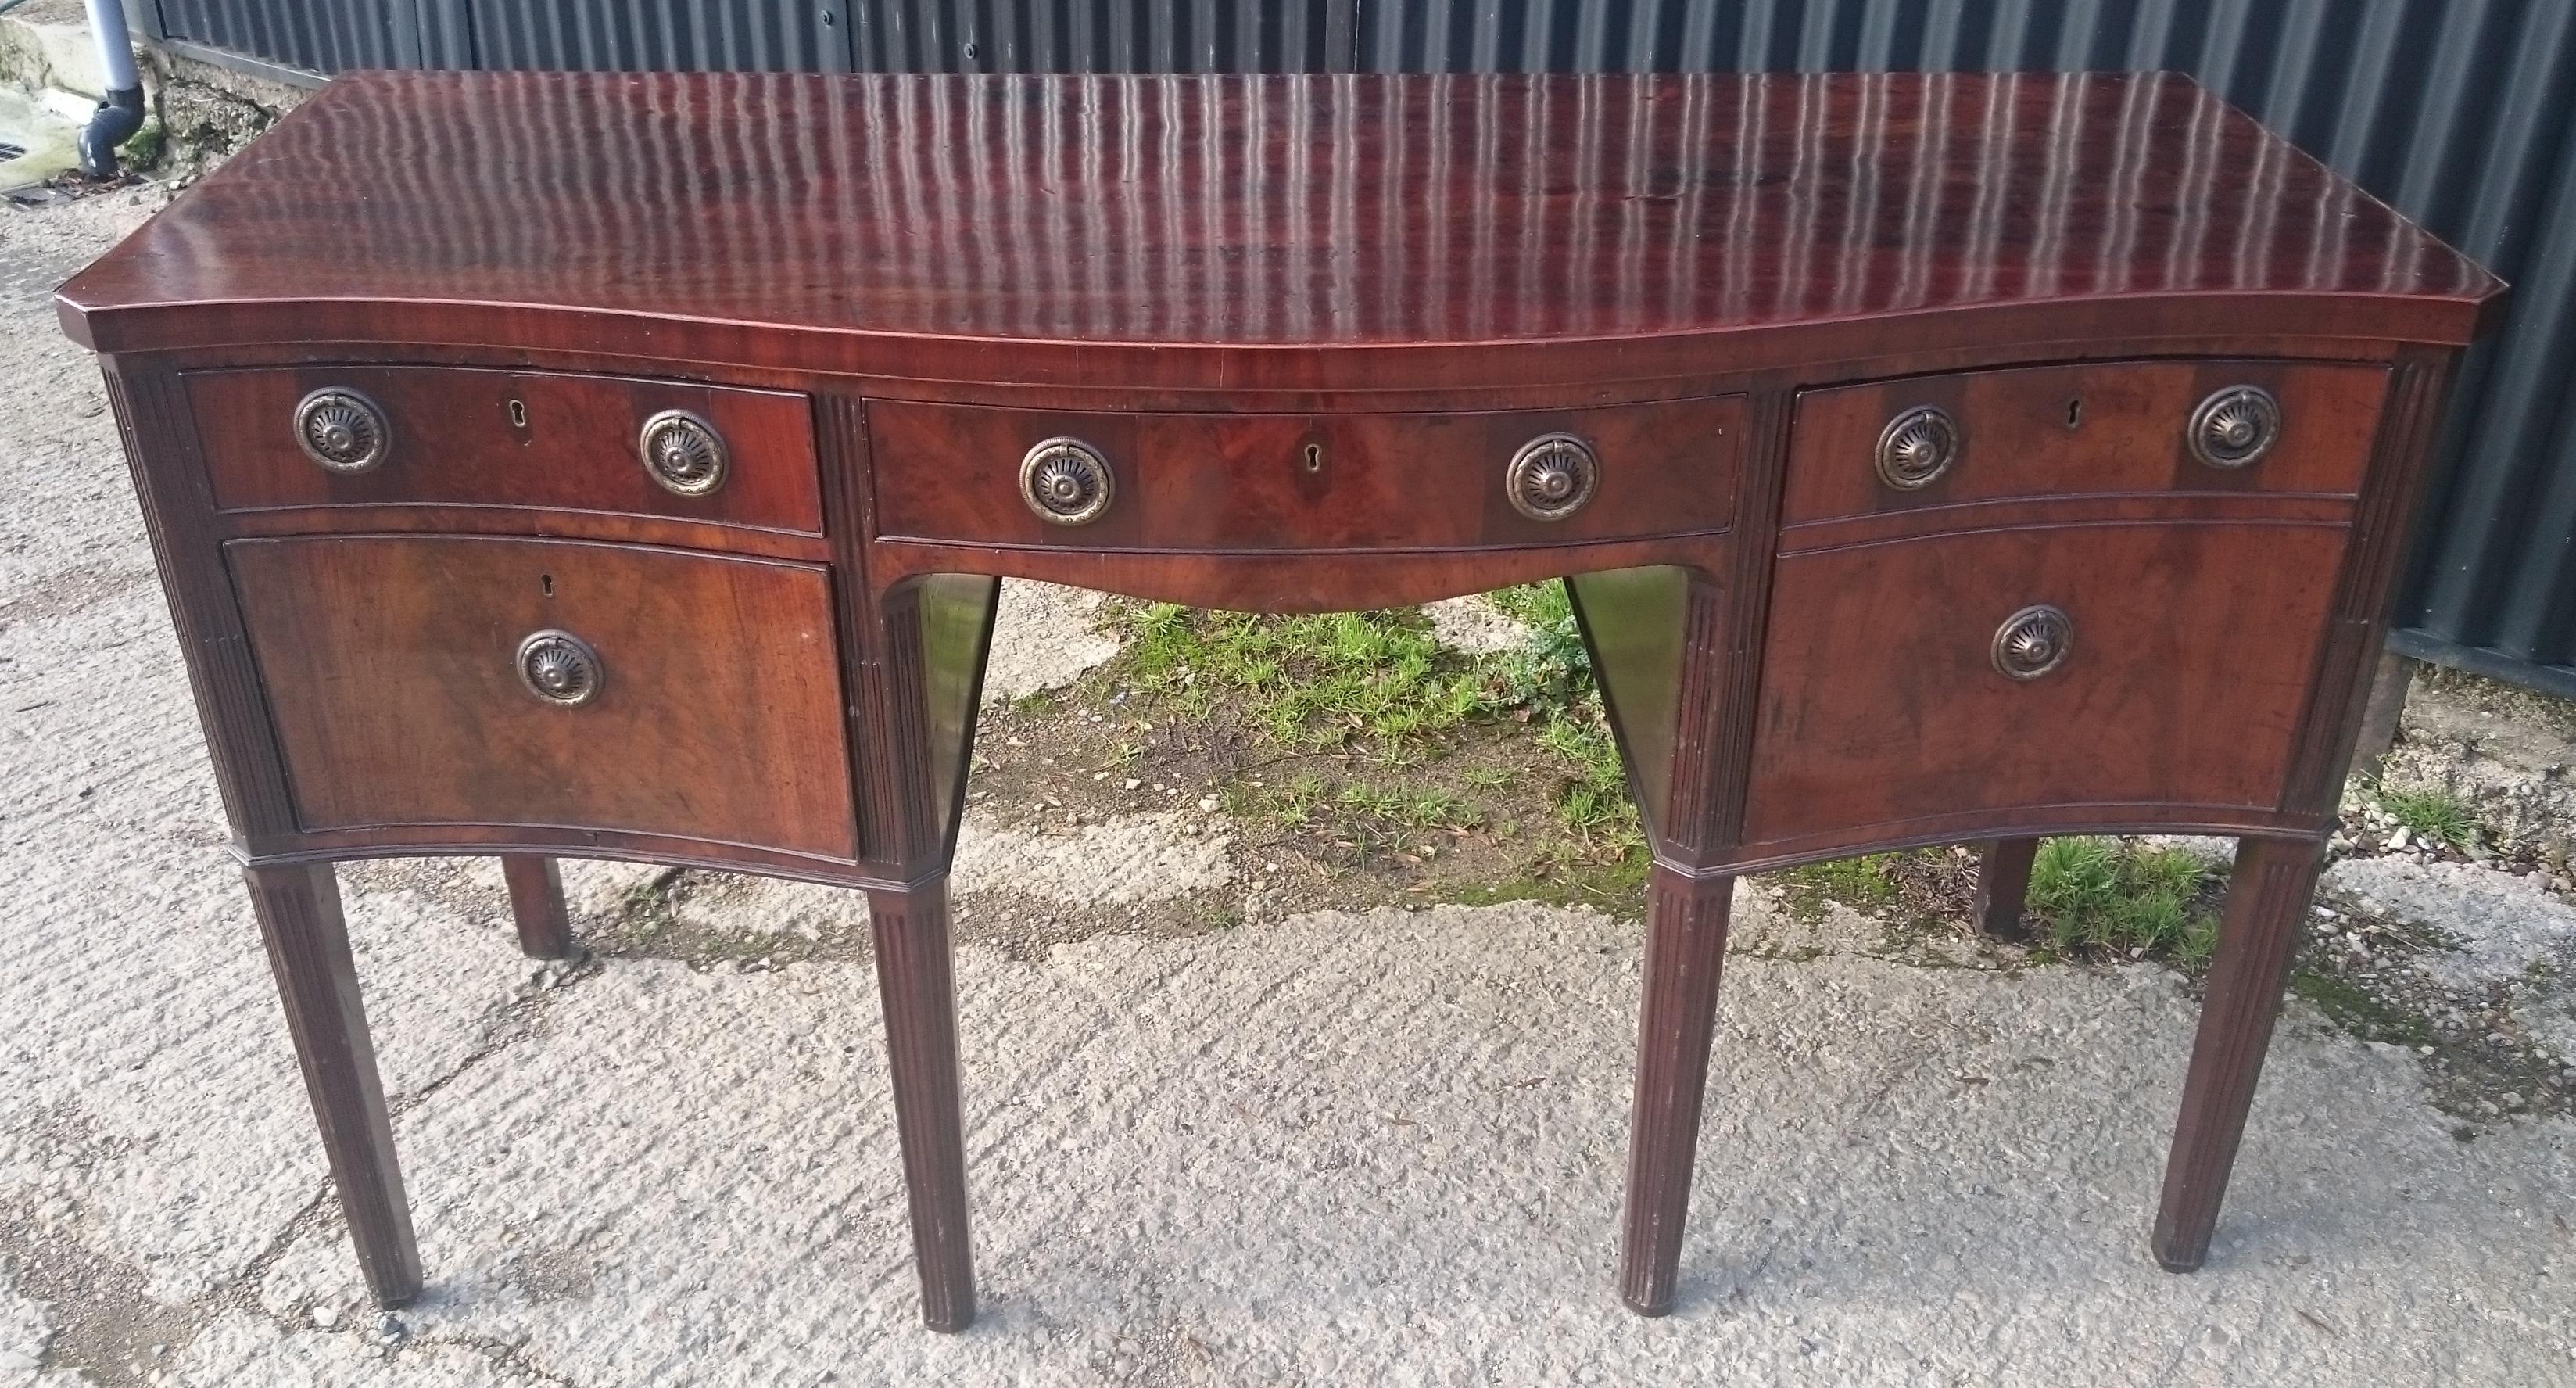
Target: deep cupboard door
x,y
421,680
2138,671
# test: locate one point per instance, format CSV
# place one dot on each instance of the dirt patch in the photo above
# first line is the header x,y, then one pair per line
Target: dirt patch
x,y
1468,816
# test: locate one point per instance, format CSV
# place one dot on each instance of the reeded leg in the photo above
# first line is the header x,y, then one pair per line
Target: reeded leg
x,y
2003,881
914,974
1685,946
537,904
2267,900
308,950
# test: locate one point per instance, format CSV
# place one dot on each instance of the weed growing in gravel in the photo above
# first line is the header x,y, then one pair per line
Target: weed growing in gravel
x,y
2115,896
2437,815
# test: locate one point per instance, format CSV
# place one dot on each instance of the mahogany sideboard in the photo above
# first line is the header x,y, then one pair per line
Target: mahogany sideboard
x,y
625,466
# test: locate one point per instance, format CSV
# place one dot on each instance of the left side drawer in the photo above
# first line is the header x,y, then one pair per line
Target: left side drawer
x,y
469,681
282,438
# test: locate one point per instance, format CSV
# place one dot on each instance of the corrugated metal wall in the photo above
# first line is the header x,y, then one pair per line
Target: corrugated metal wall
x,y
316,35
2456,111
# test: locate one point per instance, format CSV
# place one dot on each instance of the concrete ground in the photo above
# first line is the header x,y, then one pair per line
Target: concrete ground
x,y
1329,1148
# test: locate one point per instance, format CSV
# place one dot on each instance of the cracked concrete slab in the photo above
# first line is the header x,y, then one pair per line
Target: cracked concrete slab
x,y
2498,925
1044,637
1389,1146
1339,1147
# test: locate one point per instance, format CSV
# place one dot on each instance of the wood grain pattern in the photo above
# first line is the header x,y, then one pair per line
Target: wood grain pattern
x,y
1253,483
1685,952
457,441
2399,462
2096,429
1369,232
885,288
537,906
391,665
918,980
317,979
169,480
2194,647
2267,908
1293,582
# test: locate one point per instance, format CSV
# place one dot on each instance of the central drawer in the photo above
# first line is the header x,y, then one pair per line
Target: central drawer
x,y
418,681
1225,482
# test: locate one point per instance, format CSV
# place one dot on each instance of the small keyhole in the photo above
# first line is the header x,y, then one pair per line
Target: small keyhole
x,y
2074,412
518,414
546,584
1314,457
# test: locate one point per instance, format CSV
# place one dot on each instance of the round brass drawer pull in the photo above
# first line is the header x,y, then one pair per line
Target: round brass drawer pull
x,y
2033,642
560,668
683,452
1067,482
2235,426
1552,476
1916,447
341,430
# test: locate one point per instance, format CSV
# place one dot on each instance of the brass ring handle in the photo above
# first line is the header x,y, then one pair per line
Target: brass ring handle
x,y
2033,641
1916,447
683,452
342,430
1067,482
1552,476
2234,426
560,668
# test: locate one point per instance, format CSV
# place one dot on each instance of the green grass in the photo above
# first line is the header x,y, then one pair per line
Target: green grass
x,y
1369,680
1377,684
1861,883
2437,815
2112,896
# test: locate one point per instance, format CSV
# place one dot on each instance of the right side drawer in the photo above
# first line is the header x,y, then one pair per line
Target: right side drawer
x,y
2092,429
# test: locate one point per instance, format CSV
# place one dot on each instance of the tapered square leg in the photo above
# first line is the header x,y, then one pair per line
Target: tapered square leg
x,y
919,984
308,950
2003,885
1685,948
2267,903
537,905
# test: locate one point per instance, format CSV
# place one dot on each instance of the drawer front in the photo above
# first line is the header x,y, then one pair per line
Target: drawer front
x,y
541,440
1290,482
2099,429
1892,690
685,694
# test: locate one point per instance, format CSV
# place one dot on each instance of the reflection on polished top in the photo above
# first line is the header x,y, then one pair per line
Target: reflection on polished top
x,y
1297,212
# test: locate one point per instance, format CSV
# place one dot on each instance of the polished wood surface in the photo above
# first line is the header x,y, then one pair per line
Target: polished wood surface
x,y
1254,483
1307,321
2179,697
391,666
516,440
537,906
2099,429
1425,230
